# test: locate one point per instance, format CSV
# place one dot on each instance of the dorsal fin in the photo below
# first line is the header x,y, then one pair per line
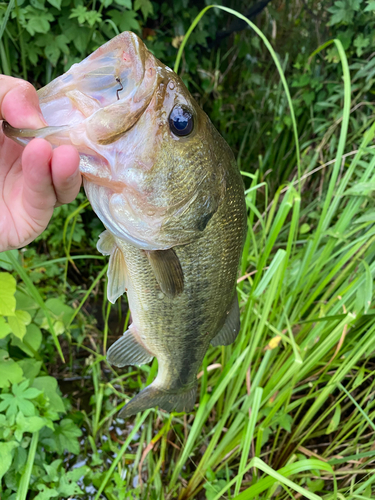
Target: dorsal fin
x,y
168,271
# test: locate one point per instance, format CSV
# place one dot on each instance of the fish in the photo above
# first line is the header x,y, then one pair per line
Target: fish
x,y
166,186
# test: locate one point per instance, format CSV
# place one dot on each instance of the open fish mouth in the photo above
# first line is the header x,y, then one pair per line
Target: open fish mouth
x,y
143,141
101,97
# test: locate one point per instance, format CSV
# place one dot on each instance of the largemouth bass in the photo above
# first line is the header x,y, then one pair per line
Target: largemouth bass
x,y
167,188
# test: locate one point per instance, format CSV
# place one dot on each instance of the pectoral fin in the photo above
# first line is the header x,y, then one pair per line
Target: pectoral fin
x,y
106,243
231,327
128,351
168,271
117,271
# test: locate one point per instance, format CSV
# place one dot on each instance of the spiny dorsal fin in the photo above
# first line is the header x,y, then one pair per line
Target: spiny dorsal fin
x,y
168,271
117,271
231,327
128,351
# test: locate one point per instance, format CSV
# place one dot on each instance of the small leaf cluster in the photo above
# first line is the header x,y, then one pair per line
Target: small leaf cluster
x,y
31,402
43,38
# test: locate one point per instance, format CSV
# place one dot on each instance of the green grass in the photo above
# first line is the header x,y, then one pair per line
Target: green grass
x,y
287,411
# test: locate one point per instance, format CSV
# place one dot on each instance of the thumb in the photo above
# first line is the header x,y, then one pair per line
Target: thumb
x,y
19,103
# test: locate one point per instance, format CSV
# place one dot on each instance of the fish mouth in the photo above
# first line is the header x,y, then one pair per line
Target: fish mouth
x,y
101,97
120,69
91,106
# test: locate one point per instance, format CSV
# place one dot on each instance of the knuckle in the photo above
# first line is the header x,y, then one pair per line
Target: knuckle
x,y
26,87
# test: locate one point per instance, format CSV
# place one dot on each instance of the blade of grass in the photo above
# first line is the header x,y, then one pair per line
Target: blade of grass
x,y
248,437
273,55
6,17
23,487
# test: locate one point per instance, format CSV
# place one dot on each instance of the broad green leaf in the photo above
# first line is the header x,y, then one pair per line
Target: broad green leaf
x,y
19,400
27,424
52,474
7,291
63,438
5,329
125,3
19,459
305,228
6,454
315,485
39,23
46,493
48,385
285,421
33,338
18,323
38,4
30,367
343,11
93,17
145,6
69,488
213,488
128,21
52,53
80,13
361,43
55,3
25,302
5,262
10,372
62,43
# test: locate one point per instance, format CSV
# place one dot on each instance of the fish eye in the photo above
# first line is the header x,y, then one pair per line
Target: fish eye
x,y
181,121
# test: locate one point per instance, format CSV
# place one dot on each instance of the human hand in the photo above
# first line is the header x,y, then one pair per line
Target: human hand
x,y
34,179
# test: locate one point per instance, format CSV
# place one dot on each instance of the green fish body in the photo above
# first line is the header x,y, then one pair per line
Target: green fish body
x,y
166,187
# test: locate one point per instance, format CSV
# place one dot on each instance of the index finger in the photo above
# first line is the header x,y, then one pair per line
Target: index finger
x,y
19,103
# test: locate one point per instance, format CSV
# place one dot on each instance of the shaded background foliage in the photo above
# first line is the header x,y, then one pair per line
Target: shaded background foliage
x,y
232,75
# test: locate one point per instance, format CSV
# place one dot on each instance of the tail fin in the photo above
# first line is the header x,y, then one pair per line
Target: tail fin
x,y
154,396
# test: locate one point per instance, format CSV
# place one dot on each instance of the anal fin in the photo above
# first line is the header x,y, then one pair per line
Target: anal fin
x,y
154,396
128,351
167,270
229,331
